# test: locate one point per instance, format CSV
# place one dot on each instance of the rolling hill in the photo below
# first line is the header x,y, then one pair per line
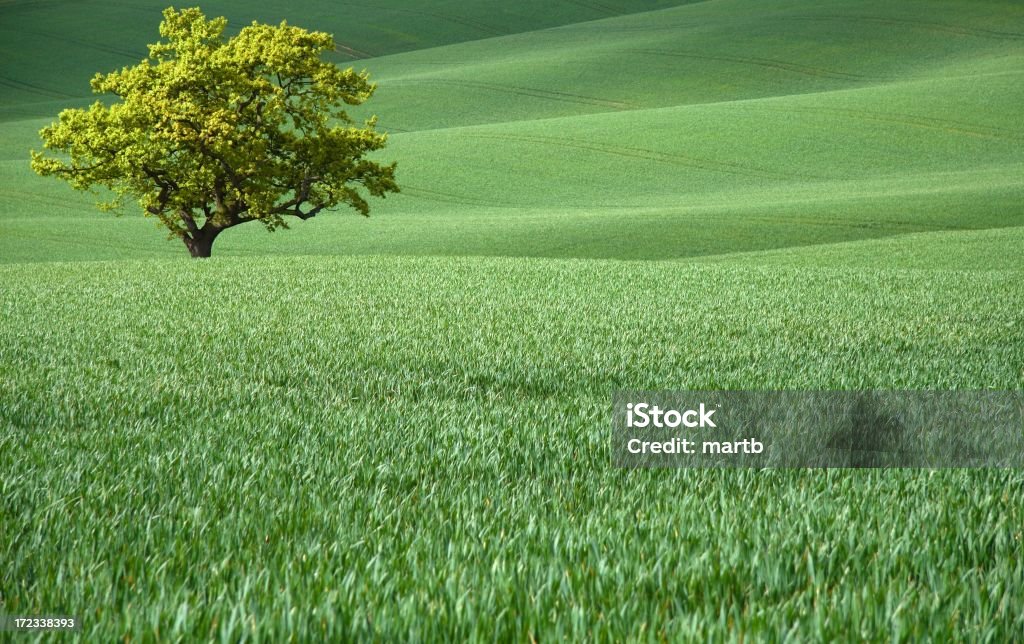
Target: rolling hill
x,y
659,134
396,427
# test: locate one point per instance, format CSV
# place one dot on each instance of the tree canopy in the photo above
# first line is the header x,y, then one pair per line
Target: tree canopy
x,y
210,132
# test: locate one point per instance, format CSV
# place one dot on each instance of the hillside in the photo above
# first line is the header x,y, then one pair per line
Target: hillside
x,y
52,48
396,428
660,134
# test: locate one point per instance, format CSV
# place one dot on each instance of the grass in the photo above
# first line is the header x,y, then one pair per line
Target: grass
x,y
48,44
661,136
363,452
397,427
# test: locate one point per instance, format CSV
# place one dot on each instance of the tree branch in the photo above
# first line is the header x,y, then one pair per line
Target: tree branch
x,y
190,223
167,186
293,206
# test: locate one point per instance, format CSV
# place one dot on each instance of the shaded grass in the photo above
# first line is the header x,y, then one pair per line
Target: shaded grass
x,y
52,49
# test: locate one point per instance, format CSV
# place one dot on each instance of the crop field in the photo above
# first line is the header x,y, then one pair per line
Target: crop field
x,y
397,427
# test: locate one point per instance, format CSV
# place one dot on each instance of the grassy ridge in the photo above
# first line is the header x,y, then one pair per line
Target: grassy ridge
x,y
660,135
691,55
416,448
52,48
981,250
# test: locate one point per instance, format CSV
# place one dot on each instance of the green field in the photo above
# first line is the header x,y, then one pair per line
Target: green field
x,y
397,427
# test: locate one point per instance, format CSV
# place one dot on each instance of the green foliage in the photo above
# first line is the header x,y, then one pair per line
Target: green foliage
x,y
211,133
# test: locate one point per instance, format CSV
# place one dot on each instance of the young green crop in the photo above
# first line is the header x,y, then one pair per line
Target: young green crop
x,y
419,449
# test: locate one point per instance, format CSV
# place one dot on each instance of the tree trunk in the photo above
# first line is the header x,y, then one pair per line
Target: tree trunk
x,y
200,243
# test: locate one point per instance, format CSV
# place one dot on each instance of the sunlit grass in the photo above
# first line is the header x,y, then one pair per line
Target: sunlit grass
x,y
405,448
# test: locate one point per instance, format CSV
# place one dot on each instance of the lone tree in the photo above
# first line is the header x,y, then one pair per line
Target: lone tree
x,y
211,132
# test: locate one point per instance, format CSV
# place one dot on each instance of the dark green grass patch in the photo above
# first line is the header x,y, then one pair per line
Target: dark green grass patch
x,y
51,49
